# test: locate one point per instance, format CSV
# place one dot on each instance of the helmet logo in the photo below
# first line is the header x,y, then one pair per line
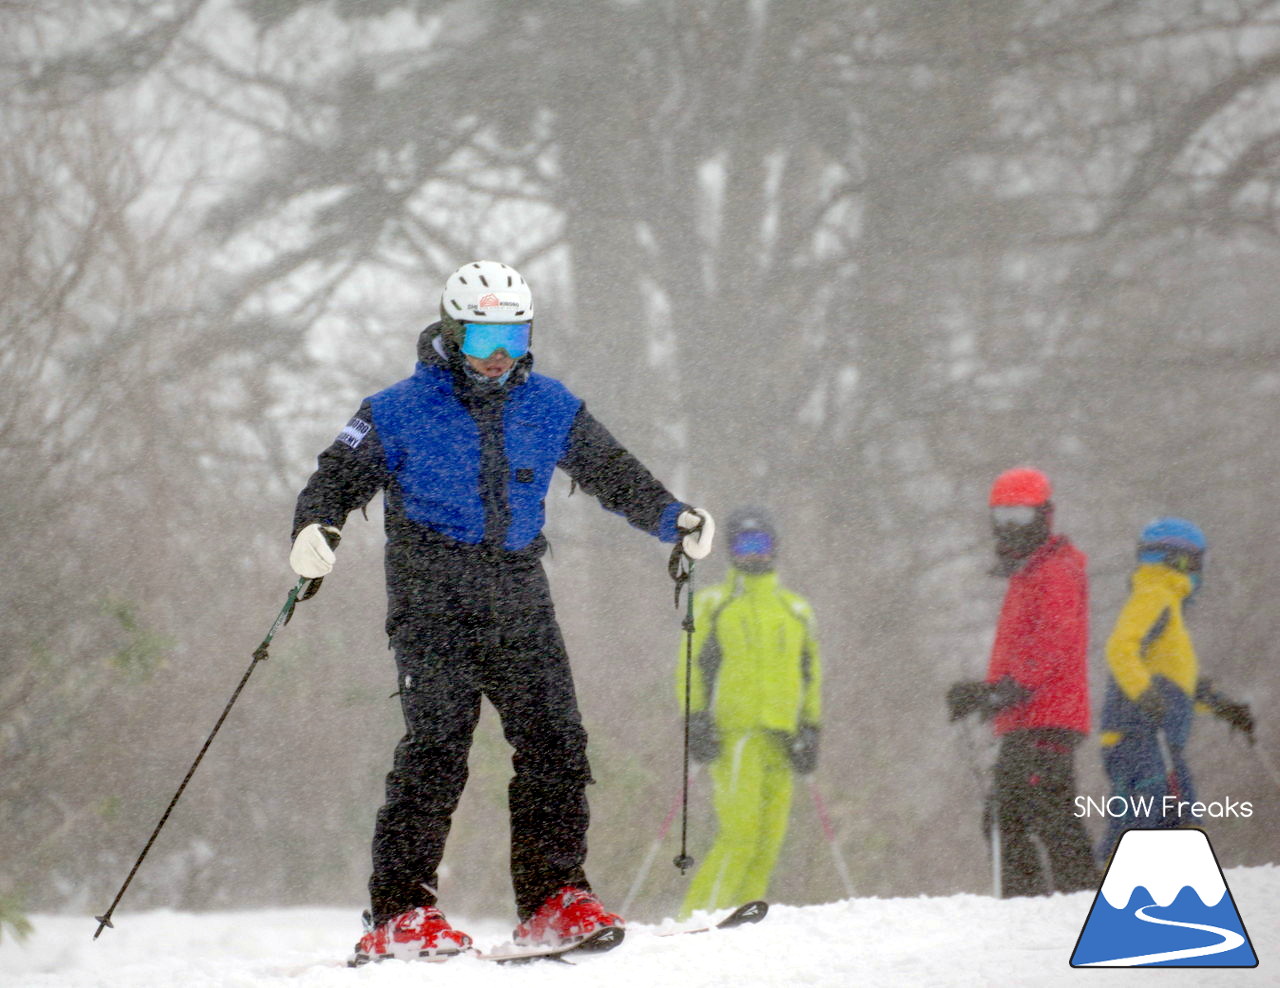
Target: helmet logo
x,y
487,301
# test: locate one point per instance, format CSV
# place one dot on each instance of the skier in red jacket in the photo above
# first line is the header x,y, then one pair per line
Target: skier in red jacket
x,y
1036,692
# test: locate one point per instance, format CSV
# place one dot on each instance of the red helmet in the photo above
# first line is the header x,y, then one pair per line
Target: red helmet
x,y
1020,486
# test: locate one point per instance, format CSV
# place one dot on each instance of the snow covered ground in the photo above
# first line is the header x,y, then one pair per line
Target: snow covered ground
x,y
955,940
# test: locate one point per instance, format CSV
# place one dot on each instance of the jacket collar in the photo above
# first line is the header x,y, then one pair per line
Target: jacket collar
x,y
1043,551
435,352
751,583
1157,575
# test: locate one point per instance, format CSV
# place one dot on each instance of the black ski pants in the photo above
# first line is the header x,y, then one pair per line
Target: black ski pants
x,y
479,626
1034,799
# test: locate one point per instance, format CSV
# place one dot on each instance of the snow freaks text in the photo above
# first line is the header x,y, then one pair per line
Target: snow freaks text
x,y
1141,807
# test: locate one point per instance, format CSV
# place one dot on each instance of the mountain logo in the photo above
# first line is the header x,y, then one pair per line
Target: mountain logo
x,y
1164,902
488,301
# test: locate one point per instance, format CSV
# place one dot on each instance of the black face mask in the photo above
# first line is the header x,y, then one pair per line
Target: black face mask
x,y
753,564
1014,543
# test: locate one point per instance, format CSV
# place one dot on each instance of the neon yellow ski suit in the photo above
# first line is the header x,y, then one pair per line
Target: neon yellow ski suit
x,y
757,671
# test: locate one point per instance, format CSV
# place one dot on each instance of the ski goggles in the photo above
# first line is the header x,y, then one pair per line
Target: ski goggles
x,y
483,339
752,544
1013,514
1174,556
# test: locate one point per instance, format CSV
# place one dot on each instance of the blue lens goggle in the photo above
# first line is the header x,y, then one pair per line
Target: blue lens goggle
x,y
483,339
752,544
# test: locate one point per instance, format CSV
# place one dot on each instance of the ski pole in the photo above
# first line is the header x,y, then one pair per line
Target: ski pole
x,y
997,865
681,569
1170,769
829,832
654,847
259,654
994,831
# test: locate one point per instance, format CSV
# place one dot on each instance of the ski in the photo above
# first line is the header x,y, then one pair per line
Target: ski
x,y
598,942
610,937
423,957
748,912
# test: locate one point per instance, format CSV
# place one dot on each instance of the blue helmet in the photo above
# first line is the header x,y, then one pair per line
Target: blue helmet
x,y
753,540
1167,540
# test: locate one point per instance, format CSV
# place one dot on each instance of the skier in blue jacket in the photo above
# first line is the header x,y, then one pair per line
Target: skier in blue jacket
x,y
464,451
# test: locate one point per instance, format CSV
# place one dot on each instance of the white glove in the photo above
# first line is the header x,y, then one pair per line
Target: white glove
x,y
311,557
701,529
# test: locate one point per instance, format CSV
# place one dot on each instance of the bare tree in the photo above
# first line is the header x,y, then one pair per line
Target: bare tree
x,y
850,259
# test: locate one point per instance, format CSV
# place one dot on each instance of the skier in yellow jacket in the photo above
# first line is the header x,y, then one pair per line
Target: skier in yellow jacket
x,y
1155,685
755,711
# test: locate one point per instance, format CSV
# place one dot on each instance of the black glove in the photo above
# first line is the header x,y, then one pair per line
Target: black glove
x,y
986,698
704,739
1238,716
1151,704
803,749
1005,694
964,698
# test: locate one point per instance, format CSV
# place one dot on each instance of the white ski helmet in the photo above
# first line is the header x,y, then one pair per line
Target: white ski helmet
x,y
484,291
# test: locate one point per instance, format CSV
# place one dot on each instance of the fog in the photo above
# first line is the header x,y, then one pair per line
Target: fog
x,y
845,260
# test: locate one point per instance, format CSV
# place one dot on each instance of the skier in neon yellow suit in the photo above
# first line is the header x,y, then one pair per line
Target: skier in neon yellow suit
x,y
756,711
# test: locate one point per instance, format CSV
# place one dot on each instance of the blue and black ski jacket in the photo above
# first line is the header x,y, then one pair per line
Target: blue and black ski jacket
x,y
469,465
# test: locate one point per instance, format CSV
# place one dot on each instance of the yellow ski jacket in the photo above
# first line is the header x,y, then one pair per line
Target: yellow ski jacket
x,y
756,663
1150,638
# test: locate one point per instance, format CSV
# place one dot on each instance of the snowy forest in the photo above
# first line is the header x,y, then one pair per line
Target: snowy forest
x,y
847,260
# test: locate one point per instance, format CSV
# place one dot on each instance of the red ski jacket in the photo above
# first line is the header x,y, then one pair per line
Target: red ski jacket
x,y
1042,640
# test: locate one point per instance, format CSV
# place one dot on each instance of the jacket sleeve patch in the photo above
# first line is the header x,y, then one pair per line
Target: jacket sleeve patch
x,y
354,432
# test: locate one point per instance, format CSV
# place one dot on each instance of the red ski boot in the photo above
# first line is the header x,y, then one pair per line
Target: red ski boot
x,y
420,933
566,917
